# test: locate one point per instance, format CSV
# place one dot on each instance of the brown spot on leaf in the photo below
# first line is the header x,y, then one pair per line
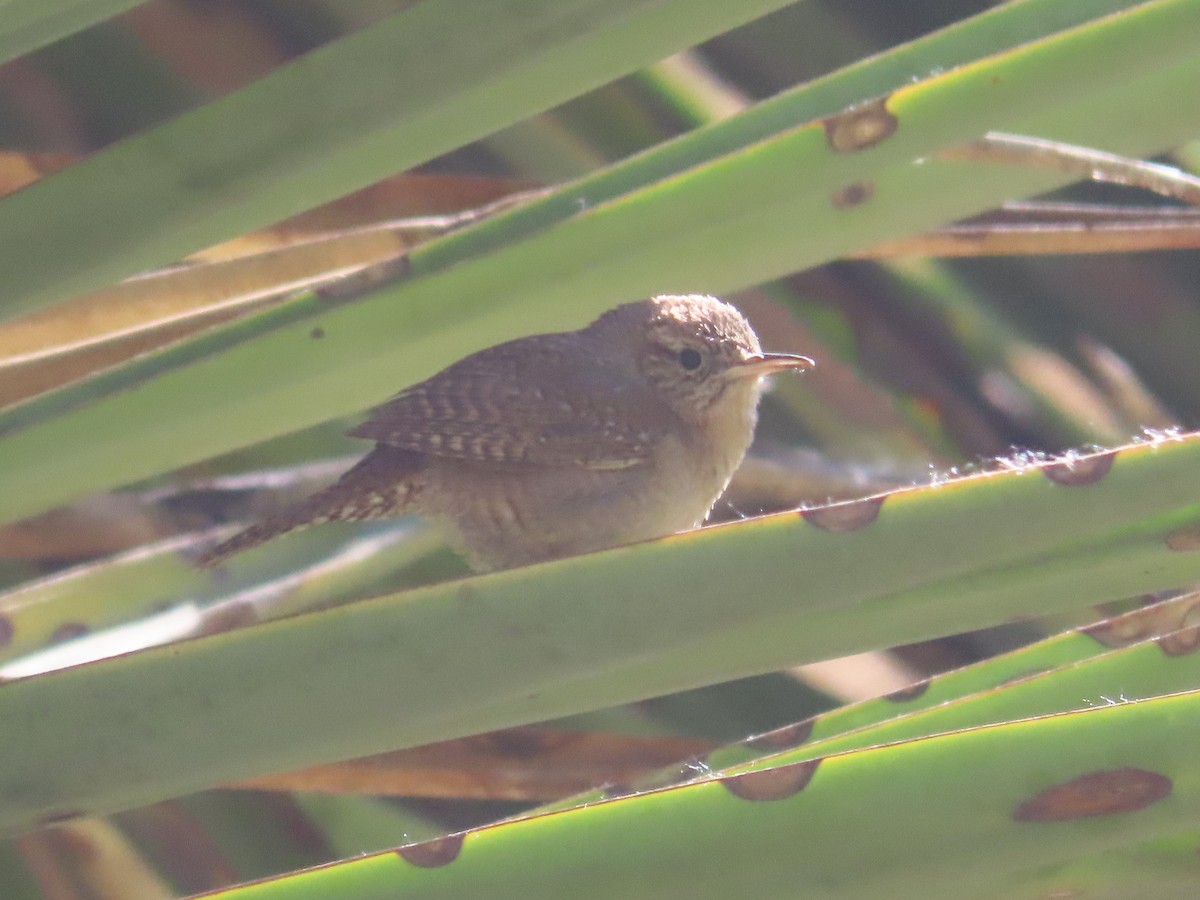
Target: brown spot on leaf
x,y
523,742
772,784
853,194
1172,622
1119,632
861,126
1095,794
1080,471
365,280
785,738
912,692
431,854
229,617
317,333
1185,538
7,630
1180,643
1184,634
849,515
68,631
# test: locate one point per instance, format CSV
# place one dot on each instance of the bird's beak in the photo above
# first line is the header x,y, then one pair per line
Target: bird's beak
x,y
768,364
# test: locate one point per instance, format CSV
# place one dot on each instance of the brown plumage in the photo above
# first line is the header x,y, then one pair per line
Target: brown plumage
x,y
556,444
375,487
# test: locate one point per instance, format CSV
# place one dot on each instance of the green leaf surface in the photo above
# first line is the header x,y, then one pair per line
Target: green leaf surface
x,y
1068,671
969,813
419,83
580,634
26,25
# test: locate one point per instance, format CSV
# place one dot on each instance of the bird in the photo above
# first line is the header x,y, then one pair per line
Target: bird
x,y
558,444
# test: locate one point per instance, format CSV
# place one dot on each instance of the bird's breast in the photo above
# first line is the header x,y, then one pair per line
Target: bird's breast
x,y
504,516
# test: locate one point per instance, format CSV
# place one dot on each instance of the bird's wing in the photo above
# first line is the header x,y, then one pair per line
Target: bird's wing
x,y
502,405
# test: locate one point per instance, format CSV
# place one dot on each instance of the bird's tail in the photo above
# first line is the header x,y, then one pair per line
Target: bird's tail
x,y
378,486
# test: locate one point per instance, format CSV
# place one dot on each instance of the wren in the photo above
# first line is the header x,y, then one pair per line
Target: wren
x,y
558,444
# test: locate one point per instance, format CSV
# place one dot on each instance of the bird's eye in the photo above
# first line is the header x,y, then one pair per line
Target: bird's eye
x,y
690,359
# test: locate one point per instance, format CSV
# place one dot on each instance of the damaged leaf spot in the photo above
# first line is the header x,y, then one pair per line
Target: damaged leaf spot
x,y
861,126
68,631
1101,793
520,743
1080,471
1185,538
1180,643
230,616
772,784
432,854
905,694
1174,625
364,280
851,195
848,516
784,738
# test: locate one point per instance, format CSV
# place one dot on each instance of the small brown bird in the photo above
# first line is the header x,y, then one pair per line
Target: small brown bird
x,y
558,444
